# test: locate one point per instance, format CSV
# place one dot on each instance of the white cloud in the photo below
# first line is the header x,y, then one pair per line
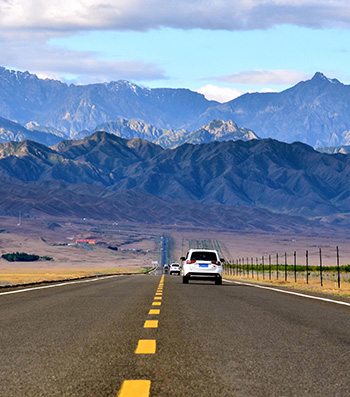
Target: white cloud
x,y
59,17
26,26
54,62
220,94
265,77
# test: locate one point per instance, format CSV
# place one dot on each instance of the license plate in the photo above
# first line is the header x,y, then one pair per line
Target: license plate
x,y
202,265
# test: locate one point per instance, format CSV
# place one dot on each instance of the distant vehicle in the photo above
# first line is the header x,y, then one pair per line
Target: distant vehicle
x,y
202,264
166,268
175,269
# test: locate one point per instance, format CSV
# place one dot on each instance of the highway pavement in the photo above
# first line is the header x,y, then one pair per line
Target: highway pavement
x,y
196,339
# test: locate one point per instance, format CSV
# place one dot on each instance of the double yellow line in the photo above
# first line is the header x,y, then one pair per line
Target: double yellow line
x,y
141,388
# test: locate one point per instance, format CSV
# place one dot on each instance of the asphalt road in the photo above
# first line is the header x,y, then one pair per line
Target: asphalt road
x,y
229,340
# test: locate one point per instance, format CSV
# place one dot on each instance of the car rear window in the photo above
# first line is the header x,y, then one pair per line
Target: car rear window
x,y
203,256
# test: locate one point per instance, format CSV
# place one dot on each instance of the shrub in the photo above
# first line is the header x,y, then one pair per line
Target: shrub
x,y
23,257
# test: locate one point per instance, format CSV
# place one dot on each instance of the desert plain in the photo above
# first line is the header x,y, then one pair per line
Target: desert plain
x,y
139,246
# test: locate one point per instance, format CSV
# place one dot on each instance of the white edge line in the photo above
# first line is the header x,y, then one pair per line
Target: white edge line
x,y
290,292
58,285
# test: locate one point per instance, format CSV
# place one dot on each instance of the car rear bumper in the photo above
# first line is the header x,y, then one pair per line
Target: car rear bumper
x,y
203,276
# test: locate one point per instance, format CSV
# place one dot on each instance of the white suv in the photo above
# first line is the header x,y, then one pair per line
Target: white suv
x,y
175,269
202,264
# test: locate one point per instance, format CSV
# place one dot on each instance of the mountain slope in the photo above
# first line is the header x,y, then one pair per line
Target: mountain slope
x,y
219,130
314,111
334,149
216,130
70,109
11,131
286,178
71,201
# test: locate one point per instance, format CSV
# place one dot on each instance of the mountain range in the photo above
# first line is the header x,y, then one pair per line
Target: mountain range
x,y
291,179
315,111
216,130
11,131
334,149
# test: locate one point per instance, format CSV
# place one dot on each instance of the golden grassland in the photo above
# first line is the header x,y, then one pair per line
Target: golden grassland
x,y
33,275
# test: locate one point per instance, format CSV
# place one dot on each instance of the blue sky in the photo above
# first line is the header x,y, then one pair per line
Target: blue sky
x,y
213,47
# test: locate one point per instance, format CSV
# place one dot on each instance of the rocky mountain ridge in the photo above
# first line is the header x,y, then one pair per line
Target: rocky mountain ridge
x,y
266,174
315,111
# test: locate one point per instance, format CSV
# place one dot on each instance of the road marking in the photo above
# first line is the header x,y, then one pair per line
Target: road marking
x,y
291,293
141,388
159,293
146,346
135,388
58,285
154,311
151,324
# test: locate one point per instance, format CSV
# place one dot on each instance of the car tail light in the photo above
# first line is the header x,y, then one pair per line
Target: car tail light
x,y
188,262
214,262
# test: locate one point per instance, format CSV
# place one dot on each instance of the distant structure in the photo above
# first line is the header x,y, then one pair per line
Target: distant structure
x,y
85,241
19,219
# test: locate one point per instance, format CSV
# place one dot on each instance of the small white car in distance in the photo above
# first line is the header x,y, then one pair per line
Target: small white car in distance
x,y
202,264
175,269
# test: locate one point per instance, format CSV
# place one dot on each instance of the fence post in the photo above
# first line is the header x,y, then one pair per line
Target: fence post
x,y
243,267
252,263
285,267
269,267
277,264
295,266
321,275
248,267
338,267
263,266
257,268
307,266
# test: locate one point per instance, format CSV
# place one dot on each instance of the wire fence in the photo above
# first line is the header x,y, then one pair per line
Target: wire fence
x,y
307,267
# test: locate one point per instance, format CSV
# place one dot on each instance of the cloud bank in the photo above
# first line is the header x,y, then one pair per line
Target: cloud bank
x,y
264,77
138,15
26,27
220,94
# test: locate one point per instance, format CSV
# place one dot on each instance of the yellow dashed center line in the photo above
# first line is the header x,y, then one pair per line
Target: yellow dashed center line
x,y
146,346
154,311
133,388
141,388
151,324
